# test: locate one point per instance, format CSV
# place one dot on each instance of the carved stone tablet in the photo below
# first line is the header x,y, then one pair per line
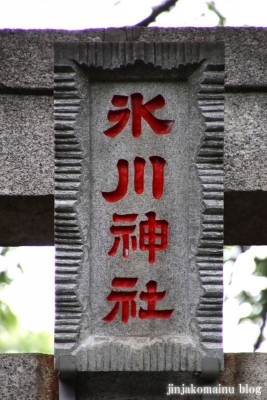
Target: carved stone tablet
x,y
139,204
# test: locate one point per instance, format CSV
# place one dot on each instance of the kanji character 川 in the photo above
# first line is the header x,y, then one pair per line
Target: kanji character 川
x,y
139,111
158,164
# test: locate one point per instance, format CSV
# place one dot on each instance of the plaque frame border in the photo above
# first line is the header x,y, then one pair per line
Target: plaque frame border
x,y
70,59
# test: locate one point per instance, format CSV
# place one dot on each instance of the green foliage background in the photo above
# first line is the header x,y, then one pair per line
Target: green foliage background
x,y
13,338
258,302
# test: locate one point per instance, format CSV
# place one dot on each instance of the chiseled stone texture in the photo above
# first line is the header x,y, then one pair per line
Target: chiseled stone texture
x,y
26,145
179,341
245,368
27,121
245,49
245,141
239,368
27,56
133,385
28,377
27,59
32,377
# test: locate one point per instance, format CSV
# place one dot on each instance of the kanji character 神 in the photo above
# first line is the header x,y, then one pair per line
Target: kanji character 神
x,y
158,164
127,299
147,231
139,110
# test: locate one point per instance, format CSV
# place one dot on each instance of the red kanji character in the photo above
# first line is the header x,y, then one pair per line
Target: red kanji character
x,y
120,116
139,169
151,296
158,164
148,235
125,231
122,187
139,110
122,297
159,126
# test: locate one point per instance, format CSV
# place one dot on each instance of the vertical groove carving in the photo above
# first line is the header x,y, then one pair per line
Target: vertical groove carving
x,y
166,55
67,235
210,171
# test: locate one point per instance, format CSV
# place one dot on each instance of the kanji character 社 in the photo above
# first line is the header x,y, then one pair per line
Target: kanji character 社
x,y
139,111
125,231
123,297
149,235
158,164
151,296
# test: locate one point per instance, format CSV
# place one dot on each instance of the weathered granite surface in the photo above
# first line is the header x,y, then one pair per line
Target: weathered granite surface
x,y
242,368
26,145
28,377
32,377
27,125
27,56
245,161
245,49
27,121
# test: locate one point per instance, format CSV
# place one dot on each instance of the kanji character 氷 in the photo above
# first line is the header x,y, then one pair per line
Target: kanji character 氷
x,y
139,111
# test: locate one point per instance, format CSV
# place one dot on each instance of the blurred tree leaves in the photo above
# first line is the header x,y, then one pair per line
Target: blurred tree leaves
x,y
258,314
13,338
8,319
256,302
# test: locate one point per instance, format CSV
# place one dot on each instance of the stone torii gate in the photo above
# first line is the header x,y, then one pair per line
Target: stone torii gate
x,y
27,184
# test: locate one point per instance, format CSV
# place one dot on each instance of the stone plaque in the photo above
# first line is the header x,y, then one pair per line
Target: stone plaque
x,y
139,204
